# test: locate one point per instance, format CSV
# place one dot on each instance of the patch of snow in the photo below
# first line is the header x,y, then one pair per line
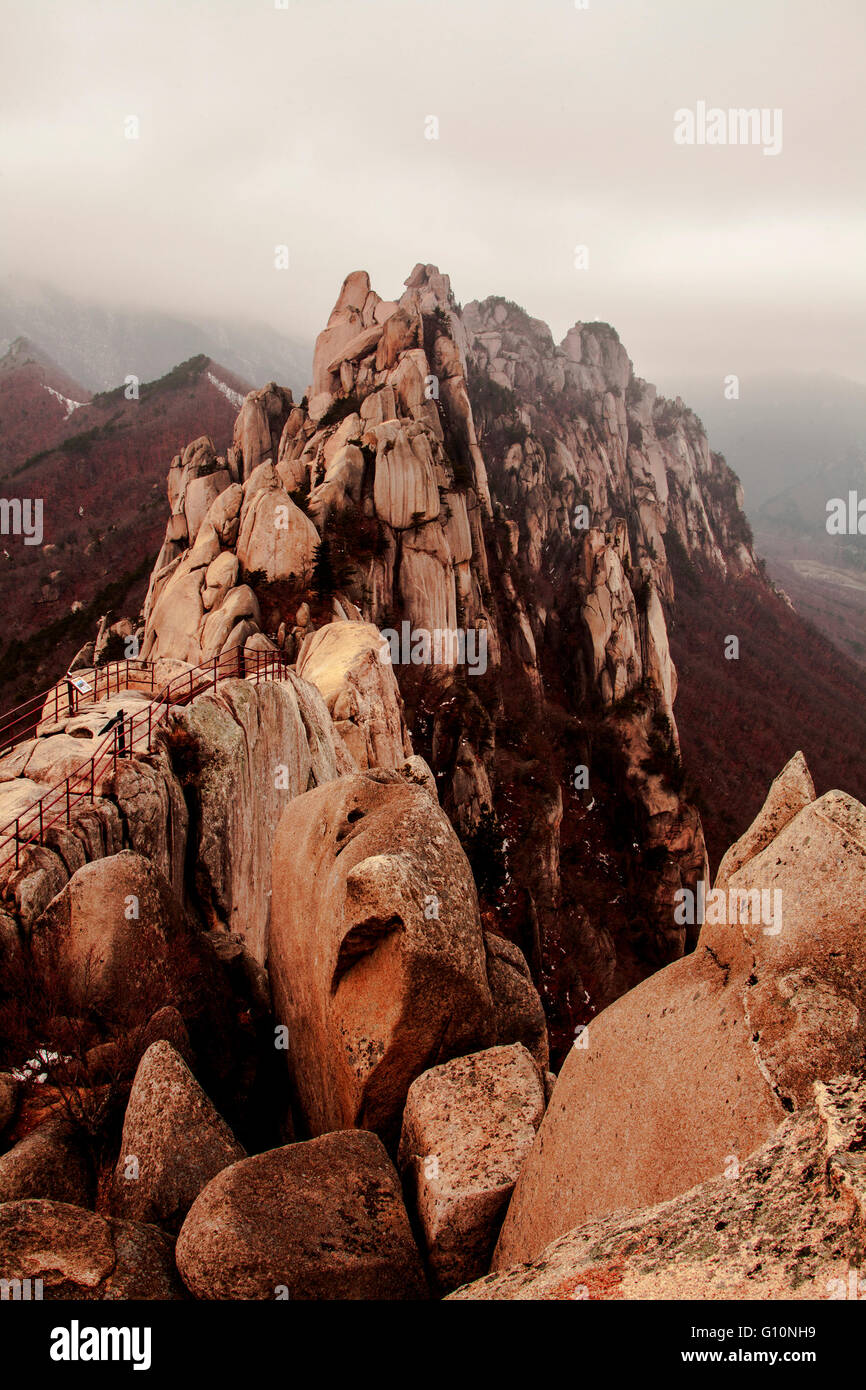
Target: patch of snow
x,y
234,397
64,400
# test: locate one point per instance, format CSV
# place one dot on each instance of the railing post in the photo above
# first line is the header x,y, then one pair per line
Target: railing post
x,y
215,673
17,842
41,830
68,806
92,780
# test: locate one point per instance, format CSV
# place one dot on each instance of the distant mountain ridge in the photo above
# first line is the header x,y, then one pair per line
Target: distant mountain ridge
x,y
100,347
99,470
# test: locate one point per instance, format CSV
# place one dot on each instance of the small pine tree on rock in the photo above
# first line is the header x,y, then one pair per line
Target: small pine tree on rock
x,y
324,579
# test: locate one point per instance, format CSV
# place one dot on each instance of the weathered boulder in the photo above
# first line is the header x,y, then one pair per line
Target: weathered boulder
x,y
174,1141
703,1059
199,496
248,749
80,1255
791,791
805,957
174,620
344,662
275,538
106,926
405,491
377,958
788,1223
49,1162
318,1220
468,1125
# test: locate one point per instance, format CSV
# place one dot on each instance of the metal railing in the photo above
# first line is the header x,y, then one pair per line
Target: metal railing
x,y
131,734
24,720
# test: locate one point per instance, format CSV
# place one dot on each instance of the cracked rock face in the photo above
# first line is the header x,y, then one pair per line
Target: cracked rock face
x,y
377,957
701,1061
790,1222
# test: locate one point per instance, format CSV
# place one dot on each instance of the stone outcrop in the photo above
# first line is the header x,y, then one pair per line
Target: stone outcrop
x,y
80,1255
468,1125
248,750
51,1162
318,1220
173,1142
805,958
106,926
787,1223
456,471
276,889
344,662
377,957
704,1059
791,791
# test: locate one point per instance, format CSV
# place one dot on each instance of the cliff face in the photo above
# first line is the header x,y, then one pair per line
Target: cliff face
x,y
454,471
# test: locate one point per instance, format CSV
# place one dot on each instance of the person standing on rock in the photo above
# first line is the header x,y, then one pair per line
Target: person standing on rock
x,y
117,722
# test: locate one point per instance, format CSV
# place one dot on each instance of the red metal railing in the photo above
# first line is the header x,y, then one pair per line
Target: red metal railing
x,y
23,721
133,734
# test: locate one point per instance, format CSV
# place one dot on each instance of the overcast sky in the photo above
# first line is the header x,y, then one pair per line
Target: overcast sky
x,y
306,126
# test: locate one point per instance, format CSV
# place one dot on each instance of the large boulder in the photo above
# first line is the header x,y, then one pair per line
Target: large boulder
x,y
789,1223
704,1059
791,791
468,1125
377,957
174,1141
318,1220
805,957
344,662
276,539
248,749
50,1162
80,1255
105,928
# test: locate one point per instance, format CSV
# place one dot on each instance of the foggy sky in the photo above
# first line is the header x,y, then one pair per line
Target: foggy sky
x,y
305,126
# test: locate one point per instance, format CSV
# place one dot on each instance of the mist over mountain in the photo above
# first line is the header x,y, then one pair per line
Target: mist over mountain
x,y
100,346
784,429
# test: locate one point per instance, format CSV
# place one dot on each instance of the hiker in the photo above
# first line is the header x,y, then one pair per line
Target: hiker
x,y
70,695
117,723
